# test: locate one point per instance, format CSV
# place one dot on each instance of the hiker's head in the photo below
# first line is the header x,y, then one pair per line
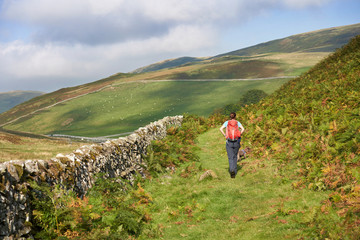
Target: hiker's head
x,y
232,115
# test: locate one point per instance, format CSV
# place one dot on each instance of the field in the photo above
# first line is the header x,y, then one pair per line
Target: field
x,y
128,106
17,147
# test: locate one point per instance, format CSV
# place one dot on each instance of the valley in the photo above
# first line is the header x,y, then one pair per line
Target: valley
x,y
123,107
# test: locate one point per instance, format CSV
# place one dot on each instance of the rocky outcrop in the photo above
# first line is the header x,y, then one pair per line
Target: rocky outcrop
x,y
122,157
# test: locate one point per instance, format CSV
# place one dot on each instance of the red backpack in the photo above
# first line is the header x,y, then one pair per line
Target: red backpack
x,y
232,130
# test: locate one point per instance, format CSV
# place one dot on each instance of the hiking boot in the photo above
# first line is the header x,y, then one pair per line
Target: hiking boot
x,y
232,174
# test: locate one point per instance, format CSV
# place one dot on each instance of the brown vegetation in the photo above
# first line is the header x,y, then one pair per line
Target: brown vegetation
x,y
17,147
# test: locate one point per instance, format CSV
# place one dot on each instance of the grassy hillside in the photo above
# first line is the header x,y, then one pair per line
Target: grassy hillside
x,y
222,70
9,100
312,125
325,40
126,107
49,99
167,64
320,42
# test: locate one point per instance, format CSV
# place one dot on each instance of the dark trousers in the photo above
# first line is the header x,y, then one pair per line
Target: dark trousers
x,y
232,149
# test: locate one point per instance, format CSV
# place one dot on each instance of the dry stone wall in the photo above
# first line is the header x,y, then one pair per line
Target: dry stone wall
x,y
122,157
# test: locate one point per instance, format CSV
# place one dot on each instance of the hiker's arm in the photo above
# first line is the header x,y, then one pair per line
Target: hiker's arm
x,y
242,129
222,130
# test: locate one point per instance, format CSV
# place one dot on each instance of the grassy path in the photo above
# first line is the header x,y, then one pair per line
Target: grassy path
x,y
257,204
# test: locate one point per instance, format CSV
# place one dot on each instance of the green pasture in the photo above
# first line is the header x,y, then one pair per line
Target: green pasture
x,y
126,107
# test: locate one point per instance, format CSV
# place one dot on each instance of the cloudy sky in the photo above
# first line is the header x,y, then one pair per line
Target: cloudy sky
x,y
50,44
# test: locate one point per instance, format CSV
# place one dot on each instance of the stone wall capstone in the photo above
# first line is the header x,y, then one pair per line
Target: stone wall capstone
x,y
122,157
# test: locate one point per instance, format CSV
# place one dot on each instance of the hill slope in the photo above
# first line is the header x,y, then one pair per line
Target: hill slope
x,y
325,40
167,64
125,107
312,125
9,100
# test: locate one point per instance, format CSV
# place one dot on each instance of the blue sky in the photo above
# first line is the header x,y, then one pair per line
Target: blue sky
x,y
46,44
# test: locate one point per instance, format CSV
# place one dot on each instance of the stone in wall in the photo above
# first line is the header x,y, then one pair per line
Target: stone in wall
x,y
121,157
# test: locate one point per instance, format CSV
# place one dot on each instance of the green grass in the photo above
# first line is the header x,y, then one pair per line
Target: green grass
x,y
324,40
258,204
126,107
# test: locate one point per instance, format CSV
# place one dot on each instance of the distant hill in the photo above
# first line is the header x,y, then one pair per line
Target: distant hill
x,y
325,40
168,64
9,100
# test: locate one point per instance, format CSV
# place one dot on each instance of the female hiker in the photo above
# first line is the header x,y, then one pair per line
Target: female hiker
x,y
233,137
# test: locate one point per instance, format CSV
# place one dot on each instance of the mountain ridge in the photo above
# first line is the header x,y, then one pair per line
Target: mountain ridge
x,y
335,38
339,36
10,99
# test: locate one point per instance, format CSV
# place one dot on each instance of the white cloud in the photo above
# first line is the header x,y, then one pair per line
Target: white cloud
x,y
84,40
189,10
108,21
105,7
298,4
21,61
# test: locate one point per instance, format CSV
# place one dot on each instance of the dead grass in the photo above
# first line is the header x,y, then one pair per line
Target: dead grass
x,y
13,147
297,59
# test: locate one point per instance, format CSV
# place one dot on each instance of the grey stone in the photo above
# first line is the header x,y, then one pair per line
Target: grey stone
x,y
31,166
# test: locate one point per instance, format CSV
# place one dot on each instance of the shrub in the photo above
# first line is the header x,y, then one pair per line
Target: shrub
x,y
250,97
112,209
179,145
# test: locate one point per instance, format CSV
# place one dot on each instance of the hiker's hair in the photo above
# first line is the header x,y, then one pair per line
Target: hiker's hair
x,y
232,115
